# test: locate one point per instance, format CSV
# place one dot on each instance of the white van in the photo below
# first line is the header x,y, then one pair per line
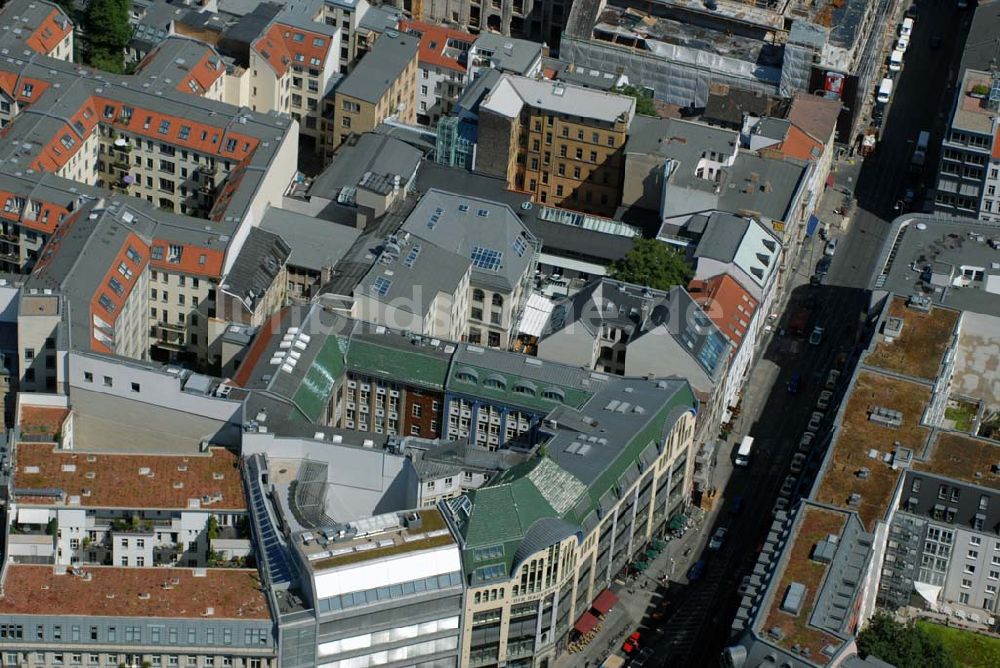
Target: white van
x,y
896,61
884,91
907,28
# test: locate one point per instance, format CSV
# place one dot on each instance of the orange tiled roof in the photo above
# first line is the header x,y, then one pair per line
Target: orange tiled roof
x,y
433,41
203,75
45,220
722,297
50,33
282,45
131,481
800,145
113,281
122,592
149,123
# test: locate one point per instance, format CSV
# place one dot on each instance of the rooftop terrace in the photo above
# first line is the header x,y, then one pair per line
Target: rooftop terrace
x,y
962,457
917,351
857,462
815,525
973,113
393,540
134,592
130,481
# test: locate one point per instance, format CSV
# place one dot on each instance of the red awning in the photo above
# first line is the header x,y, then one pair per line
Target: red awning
x,y
604,602
586,623
831,180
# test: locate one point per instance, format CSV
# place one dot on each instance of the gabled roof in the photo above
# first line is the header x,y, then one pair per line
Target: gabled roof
x,y
438,44
727,303
815,115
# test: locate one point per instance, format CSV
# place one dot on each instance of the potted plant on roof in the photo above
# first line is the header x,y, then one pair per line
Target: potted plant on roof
x,y
979,91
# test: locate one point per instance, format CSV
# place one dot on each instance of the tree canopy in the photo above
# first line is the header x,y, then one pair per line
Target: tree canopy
x,y
108,33
654,264
643,99
902,645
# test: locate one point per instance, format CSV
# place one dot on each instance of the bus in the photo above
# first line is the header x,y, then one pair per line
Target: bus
x,y
743,454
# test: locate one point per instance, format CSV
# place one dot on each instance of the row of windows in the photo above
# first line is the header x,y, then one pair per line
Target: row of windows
x,y
134,634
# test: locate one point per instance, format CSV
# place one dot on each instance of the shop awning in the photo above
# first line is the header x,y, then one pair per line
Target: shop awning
x,y
831,180
676,522
586,623
604,602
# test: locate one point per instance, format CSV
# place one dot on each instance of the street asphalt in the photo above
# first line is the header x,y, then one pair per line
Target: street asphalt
x,y
698,622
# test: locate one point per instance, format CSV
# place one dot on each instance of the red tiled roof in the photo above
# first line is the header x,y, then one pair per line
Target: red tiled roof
x,y
722,299
45,220
131,481
49,33
433,41
180,132
134,592
282,45
996,146
203,75
114,278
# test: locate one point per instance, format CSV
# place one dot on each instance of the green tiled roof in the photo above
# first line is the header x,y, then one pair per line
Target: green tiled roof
x,y
517,498
408,365
573,397
313,393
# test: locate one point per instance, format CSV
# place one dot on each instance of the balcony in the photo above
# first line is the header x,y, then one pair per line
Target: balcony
x,y
210,170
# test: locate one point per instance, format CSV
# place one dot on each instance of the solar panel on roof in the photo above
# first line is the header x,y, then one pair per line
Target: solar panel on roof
x,y
381,286
486,258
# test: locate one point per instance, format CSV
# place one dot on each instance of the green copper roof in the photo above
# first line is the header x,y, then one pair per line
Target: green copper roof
x,y
313,394
393,362
488,387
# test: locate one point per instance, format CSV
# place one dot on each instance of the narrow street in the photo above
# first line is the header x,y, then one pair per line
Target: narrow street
x,y
699,616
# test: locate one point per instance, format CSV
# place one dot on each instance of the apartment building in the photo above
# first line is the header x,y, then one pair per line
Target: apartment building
x,y
107,616
43,27
631,330
419,287
442,61
563,144
969,173
502,251
120,518
383,84
915,481
291,67
526,589
539,21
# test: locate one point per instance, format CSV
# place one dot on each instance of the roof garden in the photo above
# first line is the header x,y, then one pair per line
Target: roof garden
x,y
815,524
918,349
961,457
42,422
860,460
134,482
217,593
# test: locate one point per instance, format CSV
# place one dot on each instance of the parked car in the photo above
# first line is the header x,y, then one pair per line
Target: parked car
x,y
824,399
718,538
823,266
903,43
745,587
816,337
787,486
697,571
780,505
831,247
814,421
805,443
794,383
798,461
832,378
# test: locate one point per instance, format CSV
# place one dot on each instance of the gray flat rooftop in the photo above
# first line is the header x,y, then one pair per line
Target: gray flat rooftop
x,y
914,261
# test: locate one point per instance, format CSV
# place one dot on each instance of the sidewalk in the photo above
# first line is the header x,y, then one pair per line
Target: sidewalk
x,y
638,597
